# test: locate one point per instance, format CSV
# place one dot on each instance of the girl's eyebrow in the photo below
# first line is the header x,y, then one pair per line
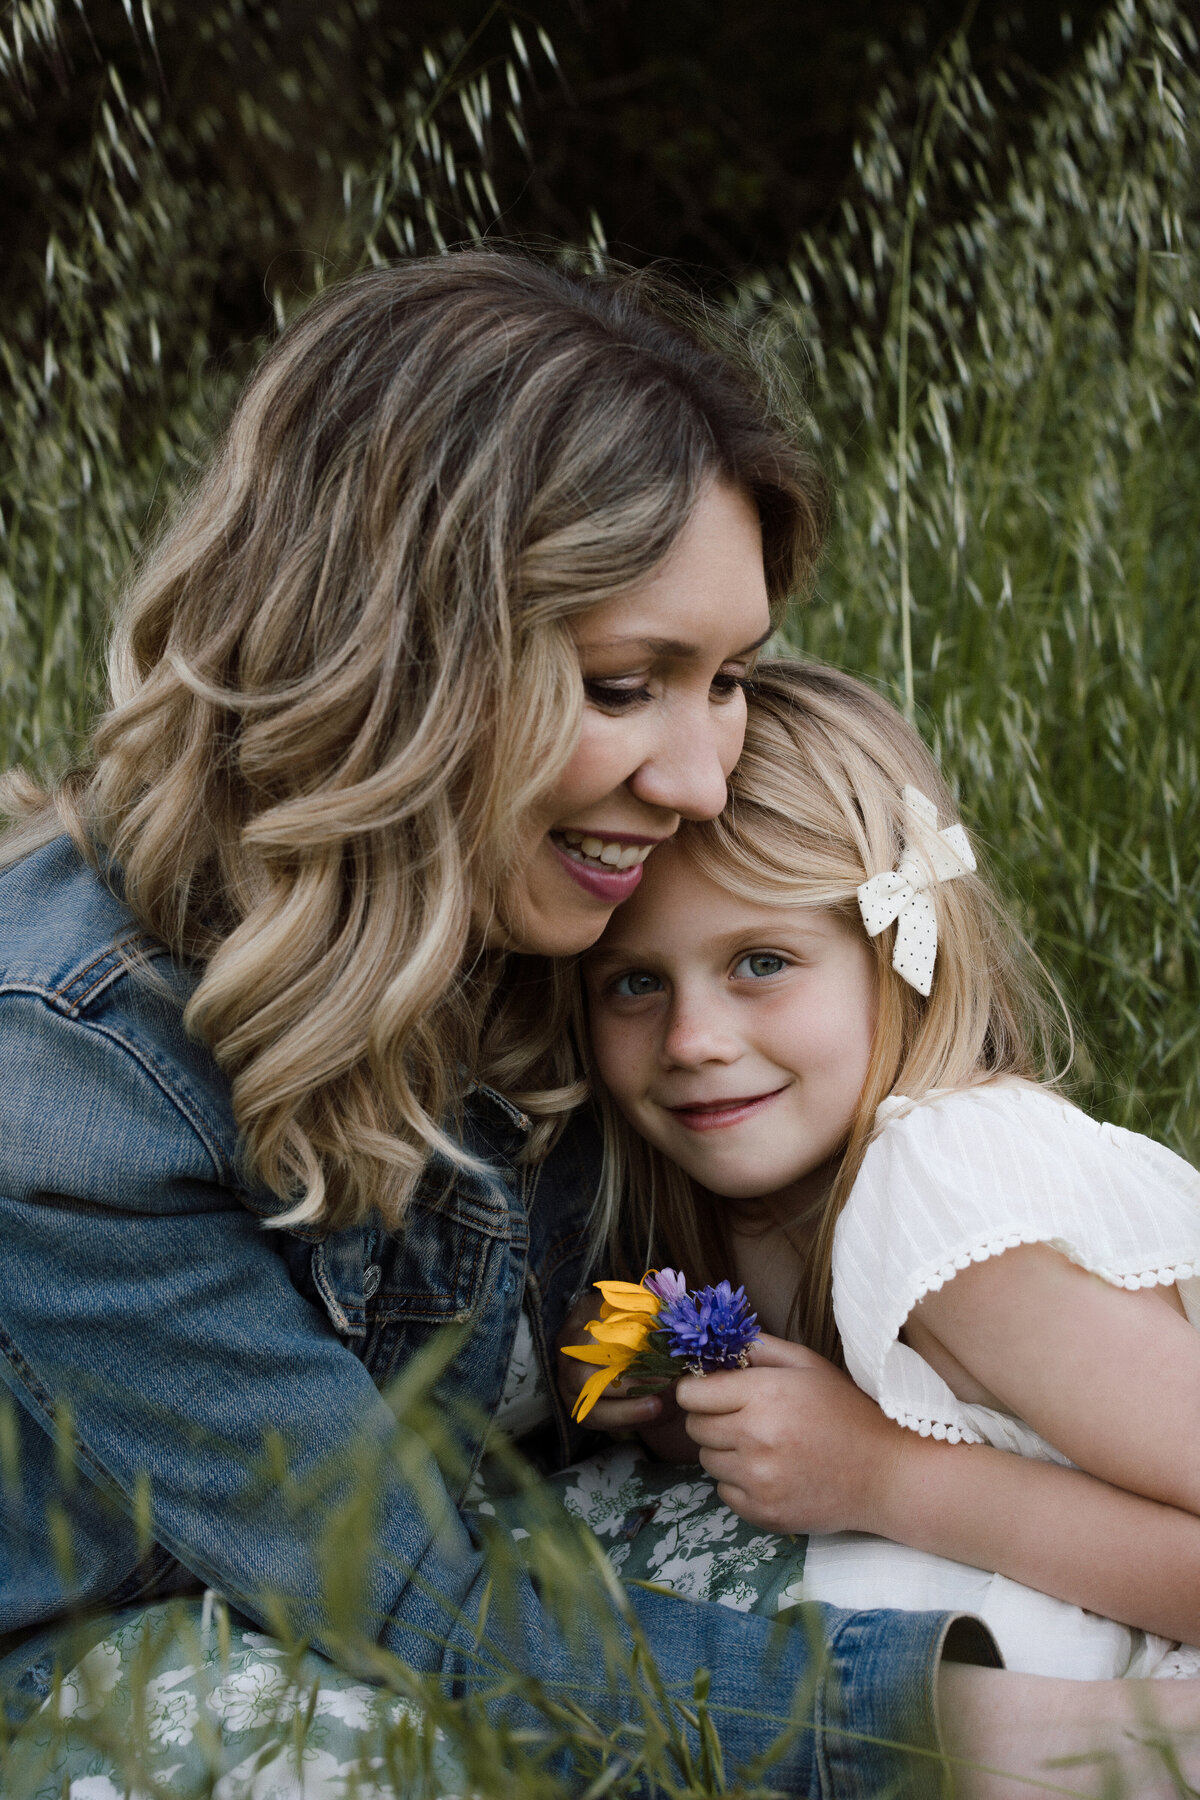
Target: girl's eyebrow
x,y
753,935
602,953
603,957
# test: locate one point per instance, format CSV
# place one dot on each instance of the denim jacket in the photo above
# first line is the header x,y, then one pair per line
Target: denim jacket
x,y
165,1349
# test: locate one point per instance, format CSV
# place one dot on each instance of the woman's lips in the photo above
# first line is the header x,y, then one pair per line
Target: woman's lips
x,y
713,1115
607,865
610,885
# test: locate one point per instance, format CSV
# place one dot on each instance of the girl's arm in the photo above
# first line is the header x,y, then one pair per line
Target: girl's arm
x,y
1109,1377
795,1446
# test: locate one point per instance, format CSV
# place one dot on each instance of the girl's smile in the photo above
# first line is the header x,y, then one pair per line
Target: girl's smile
x,y
734,1036
713,1115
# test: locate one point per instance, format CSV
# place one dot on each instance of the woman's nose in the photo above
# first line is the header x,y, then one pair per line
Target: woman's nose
x,y
686,769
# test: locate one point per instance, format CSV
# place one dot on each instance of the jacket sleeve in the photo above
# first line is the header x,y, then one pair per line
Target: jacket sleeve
x,y
146,1314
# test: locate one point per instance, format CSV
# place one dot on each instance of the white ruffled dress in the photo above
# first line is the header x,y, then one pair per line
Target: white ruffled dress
x,y
952,1180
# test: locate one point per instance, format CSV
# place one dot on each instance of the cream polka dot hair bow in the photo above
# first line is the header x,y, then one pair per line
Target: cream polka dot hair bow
x,y
902,893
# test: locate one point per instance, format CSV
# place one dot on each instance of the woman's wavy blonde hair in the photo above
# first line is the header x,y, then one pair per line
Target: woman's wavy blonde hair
x,y
814,810
345,673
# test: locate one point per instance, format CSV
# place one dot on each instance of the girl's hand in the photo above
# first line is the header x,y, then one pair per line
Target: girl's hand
x,y
794,1445
655,1417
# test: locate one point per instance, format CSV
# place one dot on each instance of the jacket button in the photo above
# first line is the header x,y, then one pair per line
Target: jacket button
x,y
372,1276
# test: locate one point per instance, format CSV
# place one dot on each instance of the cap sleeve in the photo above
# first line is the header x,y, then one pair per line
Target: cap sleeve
x,y
959,1177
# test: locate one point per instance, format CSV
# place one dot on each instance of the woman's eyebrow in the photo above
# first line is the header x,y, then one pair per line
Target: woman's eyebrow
x,y
675,647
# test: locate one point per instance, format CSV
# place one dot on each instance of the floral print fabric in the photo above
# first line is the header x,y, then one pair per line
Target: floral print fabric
x,y
185,1699
182,1700
664,1523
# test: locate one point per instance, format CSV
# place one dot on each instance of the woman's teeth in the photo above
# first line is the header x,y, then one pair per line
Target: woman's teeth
x,y
582,848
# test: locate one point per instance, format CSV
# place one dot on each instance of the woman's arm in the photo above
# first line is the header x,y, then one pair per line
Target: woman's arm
x,y
795,1446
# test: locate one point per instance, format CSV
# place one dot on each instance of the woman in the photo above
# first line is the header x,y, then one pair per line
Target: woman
x,y
449,637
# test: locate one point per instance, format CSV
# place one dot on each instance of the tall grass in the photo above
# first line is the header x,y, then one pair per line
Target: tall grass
x,y
1003,354
114,376
1000,353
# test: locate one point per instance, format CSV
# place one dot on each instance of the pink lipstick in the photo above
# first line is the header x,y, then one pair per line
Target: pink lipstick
x,y
611,888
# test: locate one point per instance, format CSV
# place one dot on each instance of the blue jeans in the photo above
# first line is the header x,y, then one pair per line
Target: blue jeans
x,y
857,1688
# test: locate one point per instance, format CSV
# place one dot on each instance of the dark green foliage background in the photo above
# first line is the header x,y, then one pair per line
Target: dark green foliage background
x,y
976,252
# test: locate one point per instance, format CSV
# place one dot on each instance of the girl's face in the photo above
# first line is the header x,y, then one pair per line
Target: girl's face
x,y
664,718
734,1037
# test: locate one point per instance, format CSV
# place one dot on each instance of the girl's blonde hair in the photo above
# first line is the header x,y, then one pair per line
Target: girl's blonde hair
x,y
345,674
814,810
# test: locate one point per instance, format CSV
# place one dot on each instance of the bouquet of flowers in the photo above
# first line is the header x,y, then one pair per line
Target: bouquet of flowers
x,y
656,1330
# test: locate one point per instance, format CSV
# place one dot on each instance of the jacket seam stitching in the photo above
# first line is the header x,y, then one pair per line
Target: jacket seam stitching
x,y
64,989
112,967
223,1169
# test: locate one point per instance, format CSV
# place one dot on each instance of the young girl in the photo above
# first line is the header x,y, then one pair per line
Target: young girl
x,y
828,1076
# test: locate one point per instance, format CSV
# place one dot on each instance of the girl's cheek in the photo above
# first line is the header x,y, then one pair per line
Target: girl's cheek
x,y
605,1038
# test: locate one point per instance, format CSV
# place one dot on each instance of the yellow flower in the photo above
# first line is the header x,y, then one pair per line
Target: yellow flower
x,y
629,1296
627,1318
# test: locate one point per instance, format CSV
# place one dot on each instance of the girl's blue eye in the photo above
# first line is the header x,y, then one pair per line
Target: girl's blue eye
x,y
635,985
760,963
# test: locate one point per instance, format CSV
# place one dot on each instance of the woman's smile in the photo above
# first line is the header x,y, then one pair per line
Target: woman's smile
x,y
606,866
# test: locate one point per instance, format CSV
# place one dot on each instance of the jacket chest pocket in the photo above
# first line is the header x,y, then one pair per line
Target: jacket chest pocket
x,y
432,1273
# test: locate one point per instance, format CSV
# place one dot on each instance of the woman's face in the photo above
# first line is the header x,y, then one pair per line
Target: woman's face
x,y
663,722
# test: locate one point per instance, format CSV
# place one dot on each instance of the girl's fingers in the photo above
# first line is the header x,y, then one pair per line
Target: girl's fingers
x,y
721,1393
624,1415
723,1465
768,1352
713,1433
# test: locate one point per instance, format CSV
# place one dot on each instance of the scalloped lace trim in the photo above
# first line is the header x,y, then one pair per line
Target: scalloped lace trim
x,y
937,1278
945,1430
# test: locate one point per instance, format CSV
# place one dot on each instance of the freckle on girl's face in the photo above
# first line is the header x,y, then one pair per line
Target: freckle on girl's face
x,y
735,1037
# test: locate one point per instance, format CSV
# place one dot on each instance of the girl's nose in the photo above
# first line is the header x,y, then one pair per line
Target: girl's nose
x,y
695,1035
686,769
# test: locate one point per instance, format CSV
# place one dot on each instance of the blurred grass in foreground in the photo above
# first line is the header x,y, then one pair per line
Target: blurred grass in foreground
x,y
1001,358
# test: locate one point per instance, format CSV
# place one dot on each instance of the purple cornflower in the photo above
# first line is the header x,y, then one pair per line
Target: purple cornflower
x,y
668,1284
713,1327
